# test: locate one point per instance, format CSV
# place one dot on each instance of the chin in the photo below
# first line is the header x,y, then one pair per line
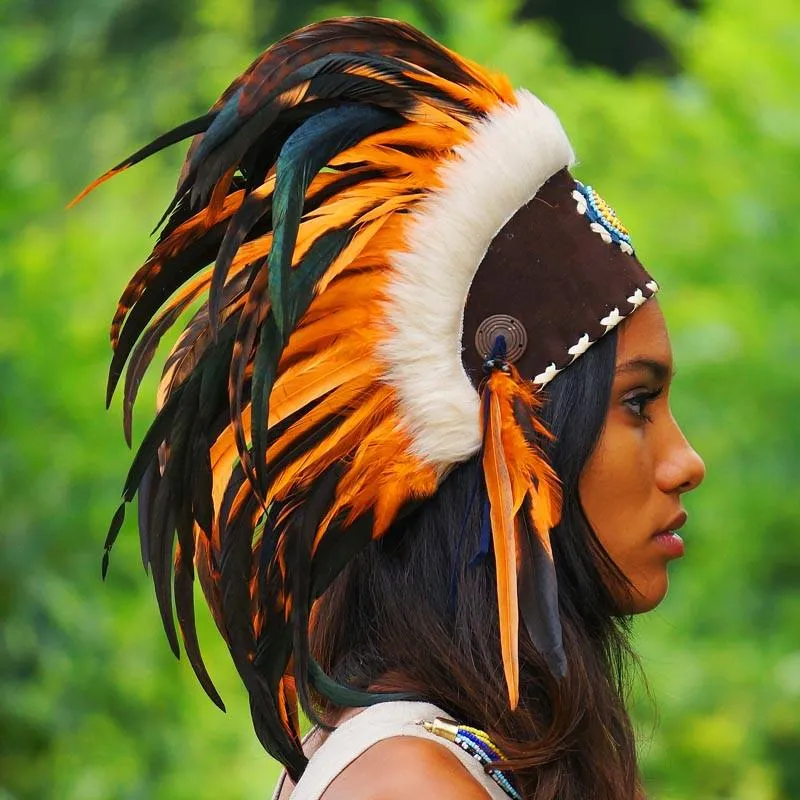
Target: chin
x,y
648,593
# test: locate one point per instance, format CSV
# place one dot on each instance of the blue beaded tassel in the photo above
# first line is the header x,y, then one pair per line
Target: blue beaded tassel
x,y
478,745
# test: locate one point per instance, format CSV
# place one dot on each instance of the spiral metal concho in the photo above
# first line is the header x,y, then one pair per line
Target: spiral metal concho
x,y
501,325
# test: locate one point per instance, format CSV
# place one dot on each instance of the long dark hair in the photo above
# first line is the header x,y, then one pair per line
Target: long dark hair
x,y
417,612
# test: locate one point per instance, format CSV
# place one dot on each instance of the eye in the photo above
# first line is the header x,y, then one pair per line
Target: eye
x,y
638,403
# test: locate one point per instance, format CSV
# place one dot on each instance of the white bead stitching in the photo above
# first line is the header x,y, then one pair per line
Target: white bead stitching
x,y
580,347
545,377
612,320
584,343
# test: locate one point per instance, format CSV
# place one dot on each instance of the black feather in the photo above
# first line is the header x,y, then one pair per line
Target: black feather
x,y
211,404
255,310
177,134
265,369
166,516
336,548
195,343
148,449
184,607
314,510
227,120
235,567
147,487
183,579
113,532
537,590
142,356
302,282
183,131
184,210
174,272
276,107
240,225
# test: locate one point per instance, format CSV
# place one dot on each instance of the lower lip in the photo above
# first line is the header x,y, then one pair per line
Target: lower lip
x,y
671,543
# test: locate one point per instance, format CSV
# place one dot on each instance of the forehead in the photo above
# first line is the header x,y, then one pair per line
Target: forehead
x,y
643,335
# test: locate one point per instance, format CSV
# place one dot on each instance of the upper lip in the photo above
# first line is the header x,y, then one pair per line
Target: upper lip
x,y
678,521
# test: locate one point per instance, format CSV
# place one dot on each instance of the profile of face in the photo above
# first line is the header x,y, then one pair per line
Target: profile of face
x,y
632,485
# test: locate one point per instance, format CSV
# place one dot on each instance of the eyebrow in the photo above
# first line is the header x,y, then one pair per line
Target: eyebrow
x,y
658,369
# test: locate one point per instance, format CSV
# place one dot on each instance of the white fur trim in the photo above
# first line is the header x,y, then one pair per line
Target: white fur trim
x,y
508,159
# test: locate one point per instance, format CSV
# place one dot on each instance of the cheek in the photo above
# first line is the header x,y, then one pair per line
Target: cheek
x,y
615,485
616,489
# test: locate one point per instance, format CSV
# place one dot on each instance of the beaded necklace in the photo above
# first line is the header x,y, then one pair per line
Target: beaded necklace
x,y
478,745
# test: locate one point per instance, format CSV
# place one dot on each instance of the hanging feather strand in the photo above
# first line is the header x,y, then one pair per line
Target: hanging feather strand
x,y
524,501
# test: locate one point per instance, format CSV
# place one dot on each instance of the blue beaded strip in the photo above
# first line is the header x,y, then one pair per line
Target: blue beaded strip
x,y
600,212
486,755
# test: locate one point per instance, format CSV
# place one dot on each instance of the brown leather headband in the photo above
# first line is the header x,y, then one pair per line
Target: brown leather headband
x,y
556,268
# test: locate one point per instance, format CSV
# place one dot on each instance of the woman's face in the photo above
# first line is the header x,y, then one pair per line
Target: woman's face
x,y
632,484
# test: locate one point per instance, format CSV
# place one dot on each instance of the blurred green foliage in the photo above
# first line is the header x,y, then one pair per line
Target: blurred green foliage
x,y
702,166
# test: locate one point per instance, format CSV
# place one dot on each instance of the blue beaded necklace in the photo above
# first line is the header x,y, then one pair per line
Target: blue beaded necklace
x,y
479,746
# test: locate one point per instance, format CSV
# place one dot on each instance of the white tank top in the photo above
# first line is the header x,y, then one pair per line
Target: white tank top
x,y
370,726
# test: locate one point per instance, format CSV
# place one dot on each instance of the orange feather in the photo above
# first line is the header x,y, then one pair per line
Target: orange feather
x,y
302,385
338,445
95,183
501,510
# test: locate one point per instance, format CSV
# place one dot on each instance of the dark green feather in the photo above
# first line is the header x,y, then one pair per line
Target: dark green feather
x,y
347,697
302,282
304,154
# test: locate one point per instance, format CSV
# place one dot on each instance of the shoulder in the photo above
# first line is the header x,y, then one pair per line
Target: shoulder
x,y
402,767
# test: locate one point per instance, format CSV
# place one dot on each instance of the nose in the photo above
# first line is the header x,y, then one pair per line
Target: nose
x,y
681,469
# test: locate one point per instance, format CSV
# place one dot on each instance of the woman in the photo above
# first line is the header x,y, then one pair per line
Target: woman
x,y
415,442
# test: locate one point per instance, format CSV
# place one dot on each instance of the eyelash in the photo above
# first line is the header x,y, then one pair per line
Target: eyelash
x,y
638,403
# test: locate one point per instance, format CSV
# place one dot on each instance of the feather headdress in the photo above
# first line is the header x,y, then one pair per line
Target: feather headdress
x,y
352,212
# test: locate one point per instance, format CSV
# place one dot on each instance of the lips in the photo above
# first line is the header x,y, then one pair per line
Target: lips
x,y
670,543
668,539
677,522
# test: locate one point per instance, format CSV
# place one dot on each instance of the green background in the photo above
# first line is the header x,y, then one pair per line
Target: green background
x,y
698,148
